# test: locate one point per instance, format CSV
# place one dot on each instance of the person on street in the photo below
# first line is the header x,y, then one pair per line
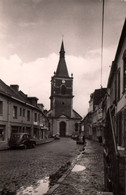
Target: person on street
x,y
83,139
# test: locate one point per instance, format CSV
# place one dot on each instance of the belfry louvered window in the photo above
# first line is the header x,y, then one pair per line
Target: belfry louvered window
x,y
63,89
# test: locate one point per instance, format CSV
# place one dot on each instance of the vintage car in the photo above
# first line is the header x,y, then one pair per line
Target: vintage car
x,y
57,136
21,140
74,136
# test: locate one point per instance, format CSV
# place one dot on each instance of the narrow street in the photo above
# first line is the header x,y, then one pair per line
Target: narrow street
x,y
25,167
86,176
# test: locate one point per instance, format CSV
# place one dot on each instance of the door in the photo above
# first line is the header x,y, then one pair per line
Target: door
x,y
62,129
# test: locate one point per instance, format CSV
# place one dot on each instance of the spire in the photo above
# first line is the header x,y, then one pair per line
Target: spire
x,y
62,68
62,52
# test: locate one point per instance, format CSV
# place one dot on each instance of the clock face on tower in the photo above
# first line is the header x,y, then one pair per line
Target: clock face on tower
x,y
63,81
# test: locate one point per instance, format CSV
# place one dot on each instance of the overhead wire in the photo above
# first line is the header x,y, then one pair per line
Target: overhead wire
x,y
102,40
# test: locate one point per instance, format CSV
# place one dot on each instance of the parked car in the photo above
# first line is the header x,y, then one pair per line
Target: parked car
x,y
74,136
57,136
21,140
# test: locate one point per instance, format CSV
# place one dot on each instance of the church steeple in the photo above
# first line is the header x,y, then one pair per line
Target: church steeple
x,y
61,115
62,68
62,52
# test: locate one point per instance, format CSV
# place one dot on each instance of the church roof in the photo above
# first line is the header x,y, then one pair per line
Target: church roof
x,y
62,67
74,115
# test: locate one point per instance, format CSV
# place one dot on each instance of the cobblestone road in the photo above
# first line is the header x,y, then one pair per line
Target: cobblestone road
x,y
25,167
88,181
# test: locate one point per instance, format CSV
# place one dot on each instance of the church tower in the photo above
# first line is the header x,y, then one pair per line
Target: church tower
x,y
61,88
62,117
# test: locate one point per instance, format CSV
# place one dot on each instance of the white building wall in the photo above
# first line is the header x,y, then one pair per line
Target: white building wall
x,y
122,101
70,126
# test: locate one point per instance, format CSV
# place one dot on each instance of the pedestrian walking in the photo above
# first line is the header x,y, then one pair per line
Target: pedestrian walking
x,y
84,143
83,139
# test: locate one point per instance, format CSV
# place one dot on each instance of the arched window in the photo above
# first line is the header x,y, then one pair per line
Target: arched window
x,y
63,89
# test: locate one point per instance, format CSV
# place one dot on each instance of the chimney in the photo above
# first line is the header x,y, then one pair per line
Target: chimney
x,y
33,100
15,87
41,106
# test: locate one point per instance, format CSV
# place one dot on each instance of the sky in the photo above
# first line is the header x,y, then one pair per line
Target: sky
x,y
31,32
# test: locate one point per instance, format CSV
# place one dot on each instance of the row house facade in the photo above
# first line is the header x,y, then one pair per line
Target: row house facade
x,y
114,112
20,113
107,118
92,122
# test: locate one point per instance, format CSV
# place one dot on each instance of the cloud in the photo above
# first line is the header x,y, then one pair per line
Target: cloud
x,y
27,24
34,77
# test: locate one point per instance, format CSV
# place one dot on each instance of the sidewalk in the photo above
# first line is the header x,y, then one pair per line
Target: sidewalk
x,y
44,141
85,176
4,145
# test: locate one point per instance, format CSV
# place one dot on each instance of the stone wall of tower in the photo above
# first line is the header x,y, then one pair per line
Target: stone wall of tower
x,y
61,96
63,106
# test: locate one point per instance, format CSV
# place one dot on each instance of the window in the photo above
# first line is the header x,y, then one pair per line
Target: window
x,y
118,84
76,126
28,115
2,133
124,71
15,112
115,84
35,117
38,117
20,111
1,108
23,112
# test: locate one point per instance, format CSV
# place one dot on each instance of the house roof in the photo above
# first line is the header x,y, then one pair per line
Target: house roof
x,y
98,95
114,63
9,91
14,93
